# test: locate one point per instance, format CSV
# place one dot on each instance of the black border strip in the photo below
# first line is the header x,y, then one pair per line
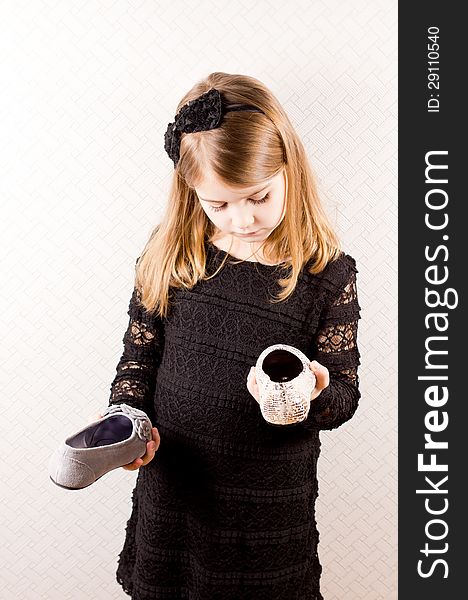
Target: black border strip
x,y
432,290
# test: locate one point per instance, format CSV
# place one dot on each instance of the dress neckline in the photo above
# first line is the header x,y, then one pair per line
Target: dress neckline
x,y
239,261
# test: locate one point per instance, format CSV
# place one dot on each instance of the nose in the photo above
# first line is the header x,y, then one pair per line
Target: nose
x,y
243,222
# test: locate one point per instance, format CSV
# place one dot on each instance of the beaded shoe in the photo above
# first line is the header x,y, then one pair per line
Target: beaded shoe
x,y
285,384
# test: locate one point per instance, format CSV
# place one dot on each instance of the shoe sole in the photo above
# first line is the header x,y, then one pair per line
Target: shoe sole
x,y
74,488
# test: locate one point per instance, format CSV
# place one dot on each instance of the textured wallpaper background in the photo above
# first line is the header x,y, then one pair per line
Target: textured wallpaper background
x,y
87,91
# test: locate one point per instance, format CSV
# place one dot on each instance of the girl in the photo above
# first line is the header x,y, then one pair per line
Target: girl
x,y
243,258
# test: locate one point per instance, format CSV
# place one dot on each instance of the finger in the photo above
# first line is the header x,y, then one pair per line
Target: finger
x,y
250,384
146,458
141,461
253,389
323,378
133,466
321,373
156,436
254,383
254,377
151,448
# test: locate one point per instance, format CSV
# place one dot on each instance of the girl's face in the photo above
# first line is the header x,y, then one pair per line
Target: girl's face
x,y
254,211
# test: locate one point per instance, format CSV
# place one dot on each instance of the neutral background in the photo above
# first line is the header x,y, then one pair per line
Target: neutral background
x,y
87,91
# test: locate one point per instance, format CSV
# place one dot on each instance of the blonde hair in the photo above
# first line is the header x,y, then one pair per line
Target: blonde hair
x,y
246,149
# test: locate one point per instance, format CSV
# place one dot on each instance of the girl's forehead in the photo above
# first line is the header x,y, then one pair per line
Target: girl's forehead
x,y
209,188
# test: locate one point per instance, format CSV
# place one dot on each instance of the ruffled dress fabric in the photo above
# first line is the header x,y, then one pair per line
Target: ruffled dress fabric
x,y
226,509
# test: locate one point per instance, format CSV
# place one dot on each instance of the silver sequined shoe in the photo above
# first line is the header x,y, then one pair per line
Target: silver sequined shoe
x,y
115,440
285,383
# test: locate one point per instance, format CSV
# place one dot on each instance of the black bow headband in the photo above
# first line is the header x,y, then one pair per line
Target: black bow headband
x,y
201,114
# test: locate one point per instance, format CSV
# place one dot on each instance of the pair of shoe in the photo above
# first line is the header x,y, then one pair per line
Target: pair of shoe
x,y
285,384
115,440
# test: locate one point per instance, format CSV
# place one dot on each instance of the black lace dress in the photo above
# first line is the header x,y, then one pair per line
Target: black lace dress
x,y
226,509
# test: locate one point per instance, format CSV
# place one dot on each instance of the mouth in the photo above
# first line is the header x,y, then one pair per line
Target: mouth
x,y
248,234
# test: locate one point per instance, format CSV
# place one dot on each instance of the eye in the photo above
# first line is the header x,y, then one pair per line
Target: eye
x,y
261,201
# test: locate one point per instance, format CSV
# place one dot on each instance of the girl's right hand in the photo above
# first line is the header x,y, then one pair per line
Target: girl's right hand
x,y
151,449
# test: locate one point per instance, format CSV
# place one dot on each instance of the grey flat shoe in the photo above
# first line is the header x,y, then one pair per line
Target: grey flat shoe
x,y
285,384
117,439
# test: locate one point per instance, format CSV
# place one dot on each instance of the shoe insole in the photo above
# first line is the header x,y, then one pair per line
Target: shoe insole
x,y
281,365
115,428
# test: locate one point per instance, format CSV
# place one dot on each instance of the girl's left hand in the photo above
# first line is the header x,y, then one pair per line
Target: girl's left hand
x,y
322,378
321,373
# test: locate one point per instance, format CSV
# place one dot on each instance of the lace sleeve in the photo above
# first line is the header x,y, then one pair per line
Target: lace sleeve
x,y
135,380
335,347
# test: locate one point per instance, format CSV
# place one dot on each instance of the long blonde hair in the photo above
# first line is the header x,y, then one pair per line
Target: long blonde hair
x,y
246,149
